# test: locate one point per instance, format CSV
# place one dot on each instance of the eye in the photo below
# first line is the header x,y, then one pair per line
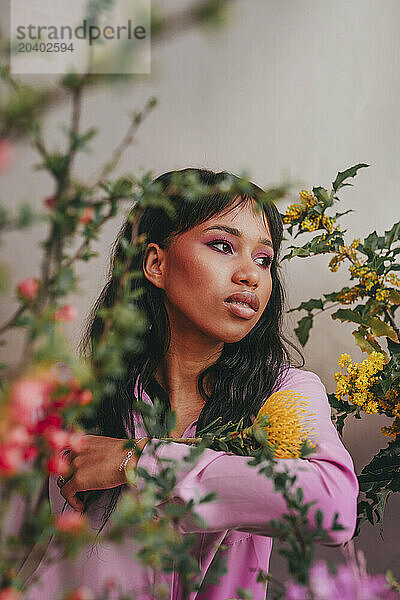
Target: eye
x,y
220,243
267,261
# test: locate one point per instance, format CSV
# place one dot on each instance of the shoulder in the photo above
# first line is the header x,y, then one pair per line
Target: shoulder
x,y
294,375
309,387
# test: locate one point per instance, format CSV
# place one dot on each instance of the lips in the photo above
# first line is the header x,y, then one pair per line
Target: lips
x,y
247,297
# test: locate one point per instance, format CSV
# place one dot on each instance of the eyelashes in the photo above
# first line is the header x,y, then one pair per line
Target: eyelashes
x,y
267,257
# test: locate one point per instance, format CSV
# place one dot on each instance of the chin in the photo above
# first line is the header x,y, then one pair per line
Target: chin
x,y
231,337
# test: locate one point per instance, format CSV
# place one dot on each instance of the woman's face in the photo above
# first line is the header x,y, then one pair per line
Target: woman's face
x,y
203,269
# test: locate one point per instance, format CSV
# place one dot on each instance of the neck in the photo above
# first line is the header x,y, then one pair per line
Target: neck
x,y
179,370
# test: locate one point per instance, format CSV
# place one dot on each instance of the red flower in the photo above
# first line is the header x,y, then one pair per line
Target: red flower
x,y
87,215
30,453
10,594
68,312
50,202
85,397
81,593
49,422
28,288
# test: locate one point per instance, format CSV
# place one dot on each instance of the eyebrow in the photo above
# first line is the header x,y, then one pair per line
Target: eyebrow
x,y
238,233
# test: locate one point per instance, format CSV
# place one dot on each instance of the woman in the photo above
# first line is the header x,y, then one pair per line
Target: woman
x,y
214,347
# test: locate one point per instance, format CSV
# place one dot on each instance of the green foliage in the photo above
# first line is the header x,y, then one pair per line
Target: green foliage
x,y
374,317
342,176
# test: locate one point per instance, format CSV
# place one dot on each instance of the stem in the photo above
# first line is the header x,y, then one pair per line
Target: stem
x,y
13,319
124,144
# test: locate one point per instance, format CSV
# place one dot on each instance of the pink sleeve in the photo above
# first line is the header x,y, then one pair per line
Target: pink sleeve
x,y
246,500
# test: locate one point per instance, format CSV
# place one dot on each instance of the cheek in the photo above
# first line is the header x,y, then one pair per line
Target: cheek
x,y
191,276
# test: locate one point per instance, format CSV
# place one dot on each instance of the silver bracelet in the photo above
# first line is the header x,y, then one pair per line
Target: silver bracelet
x,y
127,457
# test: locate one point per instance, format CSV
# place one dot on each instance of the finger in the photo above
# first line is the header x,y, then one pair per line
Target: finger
x,y
68,492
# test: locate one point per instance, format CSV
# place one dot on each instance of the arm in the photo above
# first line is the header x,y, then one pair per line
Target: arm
x,y
246,499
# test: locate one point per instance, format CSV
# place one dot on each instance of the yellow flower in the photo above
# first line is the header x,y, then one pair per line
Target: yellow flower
x,y
393,279
344,360
308,199
381,295
358,381
349,296
311,223
286,422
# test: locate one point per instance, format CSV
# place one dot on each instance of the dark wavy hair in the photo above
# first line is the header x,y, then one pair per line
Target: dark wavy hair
x,y
246,372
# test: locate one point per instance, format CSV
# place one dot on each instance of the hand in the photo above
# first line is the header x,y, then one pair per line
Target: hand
x,y
96,467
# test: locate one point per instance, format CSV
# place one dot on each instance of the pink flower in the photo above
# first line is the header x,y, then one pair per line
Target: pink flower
x,y
10,594
18,436
70,522
81,593
87,215
28,398
76,441
57,464
68,312
57,439
6,154
28,288
11,461
85,397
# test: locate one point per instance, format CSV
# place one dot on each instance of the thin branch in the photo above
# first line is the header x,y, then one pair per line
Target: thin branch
x,y
11,321
125,143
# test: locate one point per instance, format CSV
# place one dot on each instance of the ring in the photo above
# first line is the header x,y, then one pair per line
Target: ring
x,y
60,481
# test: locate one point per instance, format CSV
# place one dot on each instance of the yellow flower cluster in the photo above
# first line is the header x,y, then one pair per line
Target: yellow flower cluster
x,y
368,277
309,222
358,380
294,211
392,409
286,422
382,295
329,224
345,252
349,296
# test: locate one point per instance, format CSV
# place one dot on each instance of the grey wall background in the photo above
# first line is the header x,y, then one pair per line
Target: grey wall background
x,y
298,87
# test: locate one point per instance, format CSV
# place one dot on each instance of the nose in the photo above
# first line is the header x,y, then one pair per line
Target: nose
x,y
247,272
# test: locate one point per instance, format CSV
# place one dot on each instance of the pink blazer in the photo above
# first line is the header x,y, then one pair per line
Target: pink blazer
x,y
239,517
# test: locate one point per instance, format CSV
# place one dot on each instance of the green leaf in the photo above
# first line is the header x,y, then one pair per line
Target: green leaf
x,y
394,348
346,314
381,328
372,241
323,196
393,235
65,281
303,329
318,518
332,297
363,343
342,176
311,304
382,496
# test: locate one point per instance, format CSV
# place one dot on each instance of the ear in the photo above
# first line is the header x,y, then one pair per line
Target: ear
x,y
153,264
